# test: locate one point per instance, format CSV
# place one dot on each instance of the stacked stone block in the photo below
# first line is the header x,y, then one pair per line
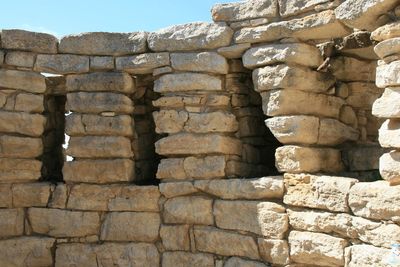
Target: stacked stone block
x,y
386,107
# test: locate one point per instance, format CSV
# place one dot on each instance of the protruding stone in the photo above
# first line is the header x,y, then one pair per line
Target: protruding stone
x,y
388,105
389,167
143,63
233,51
104,43
182,82
199,62
62,64
101,81
100,147
388,74
388,47
289,8
190,36
23,80
28,41
294,53
239,11
188,210
388,31
19,170
90,124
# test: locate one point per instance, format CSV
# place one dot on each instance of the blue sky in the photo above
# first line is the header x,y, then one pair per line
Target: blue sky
x,y
61,17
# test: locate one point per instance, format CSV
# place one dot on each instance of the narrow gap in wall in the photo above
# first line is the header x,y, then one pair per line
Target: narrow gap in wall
x,y
53,138
146,159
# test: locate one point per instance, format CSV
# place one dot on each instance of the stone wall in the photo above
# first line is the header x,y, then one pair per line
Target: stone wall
x,y
168,134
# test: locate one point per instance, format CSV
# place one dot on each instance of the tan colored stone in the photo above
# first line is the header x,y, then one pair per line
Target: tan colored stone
x,y
361,14
296,159
20,147
230,12
99,147
199,62
388,74
19,170
59,197
183,259
28,103
321,192
385,32
289,8
322,25
176,189
362,95
388,48
11,222
22,123
388,105
101,81
190,36
333,132
5,196
27,252
90,124
29,41
291,77
130,226
24,80
294,102
211,122
101,63
99,102
233,51
311,248
62,64
175,237
357,161
99,171
182,82
20,59
104,43
267,219
375,200
294,53
367,255
213,240
113,198
31,194
389,167
274,251
210,167
236,261
143,63
261,188
186,144
352,69
171,168
208,100
107,254
63,223
389,133
170,121
188,210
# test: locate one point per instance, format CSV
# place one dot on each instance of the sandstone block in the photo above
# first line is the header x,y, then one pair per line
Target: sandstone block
x,y
367,255
186,144
28,41
59,197
289,8
20,59
170,121
363,14
389,132
63,223
210,167
101,63
261,188
296,159
27,251
104,43
16,170
24,80
321,192
171,168
209,100
388,48
99,171
389,167
99,102
375,200
175,237
333,132
211,122
294,102
183,259
190,36
236,261
27,103
201,62
62,64
107,254
20,147
238,11
385,32
352,69
311,248
31,194
182,82
267,219
22,123
176,189
5,196
322,25
143,63
362,95
294,53
188,210
274,251
113,198
90,124
388,105
100,147
101,81
11,222
130,226
291,77
213,240
388,74
233,51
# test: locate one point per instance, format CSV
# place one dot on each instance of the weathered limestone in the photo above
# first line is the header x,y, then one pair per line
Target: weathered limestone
x,y
21,170
388,47
11,222
104,43
100,147
143,63
101,81
182,259
22,123
289,8
191,36
28,41
188,210
181,82
20,147
62,64
143,226
23,80
236,261
26,195
353,70
233,51
274,251
367,255
387,106
175,237
386,32
90,124
20,59
202,62
387,74
252,9
389,167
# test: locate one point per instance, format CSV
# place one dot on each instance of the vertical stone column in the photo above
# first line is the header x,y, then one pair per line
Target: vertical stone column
x,y
387,106
304,112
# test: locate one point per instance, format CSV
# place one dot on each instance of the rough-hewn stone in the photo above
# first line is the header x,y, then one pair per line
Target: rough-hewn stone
x,y
183,259
19,170
388,47
353,69
238,11
90,124
99,147
31,194
20,147
22,123
236,261
20,59
176,189
367,255
388,31
175,237
388,105
233,51
11,222
190,210
182,82
274,251
101,81
62,64
389,167
23,80
201,62
388,74
289,8
143,63
28,41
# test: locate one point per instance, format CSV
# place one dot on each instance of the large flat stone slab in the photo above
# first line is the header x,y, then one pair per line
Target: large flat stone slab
x,y
28,41
62,64
182,82
23,80
143,63
231,12
388,105
199,62
13,170
22,123
100,81
100,147
91,124
20,147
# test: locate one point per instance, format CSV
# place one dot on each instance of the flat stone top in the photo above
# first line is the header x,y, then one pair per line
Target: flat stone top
x,y
28,41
